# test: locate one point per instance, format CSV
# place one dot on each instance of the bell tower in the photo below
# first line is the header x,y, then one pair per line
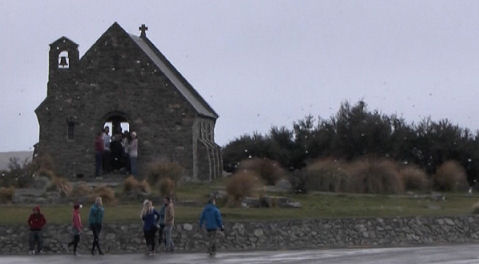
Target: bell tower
x,y
64,56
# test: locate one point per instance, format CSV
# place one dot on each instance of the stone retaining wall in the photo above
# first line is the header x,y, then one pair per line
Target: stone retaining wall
x,y
293,234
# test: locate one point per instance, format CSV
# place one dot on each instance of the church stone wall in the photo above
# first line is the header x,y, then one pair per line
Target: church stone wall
x,y
115,78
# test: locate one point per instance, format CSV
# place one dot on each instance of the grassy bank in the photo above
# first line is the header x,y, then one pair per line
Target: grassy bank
x,y
314,205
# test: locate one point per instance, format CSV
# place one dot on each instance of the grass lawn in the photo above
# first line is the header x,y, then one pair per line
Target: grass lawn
x,y
314,205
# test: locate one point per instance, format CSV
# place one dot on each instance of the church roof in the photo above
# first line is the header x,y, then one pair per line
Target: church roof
x,y
63,40
188,92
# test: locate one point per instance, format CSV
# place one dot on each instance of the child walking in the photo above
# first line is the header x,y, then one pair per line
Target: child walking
x,y
76,228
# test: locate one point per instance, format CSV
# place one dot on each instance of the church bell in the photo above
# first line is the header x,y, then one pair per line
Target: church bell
x,y
63,61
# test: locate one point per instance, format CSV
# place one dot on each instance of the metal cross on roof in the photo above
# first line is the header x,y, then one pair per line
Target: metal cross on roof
x,y
143,30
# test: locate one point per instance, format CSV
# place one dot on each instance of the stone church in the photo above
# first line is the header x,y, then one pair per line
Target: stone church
x,y
124,79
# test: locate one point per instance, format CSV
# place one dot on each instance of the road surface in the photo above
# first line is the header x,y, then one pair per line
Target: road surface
x,y
456,254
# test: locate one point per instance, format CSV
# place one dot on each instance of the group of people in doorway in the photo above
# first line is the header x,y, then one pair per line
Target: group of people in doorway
x,y
115,153
161,221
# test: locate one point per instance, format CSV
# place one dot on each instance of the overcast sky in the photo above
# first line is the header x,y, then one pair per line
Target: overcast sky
x,y
263,63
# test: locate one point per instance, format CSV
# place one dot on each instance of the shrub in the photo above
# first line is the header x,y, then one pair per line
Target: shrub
x,y
81,190
19,174
240,185
106,193
374,176
158,170
131,184
269,171
414,178
298,181
450,176
166,187
327,175
6,194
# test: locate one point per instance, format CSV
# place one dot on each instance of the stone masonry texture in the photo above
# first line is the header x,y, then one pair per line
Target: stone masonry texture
x,y
119,77
271,235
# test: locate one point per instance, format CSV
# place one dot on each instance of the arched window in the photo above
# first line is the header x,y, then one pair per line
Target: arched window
x,y
71,130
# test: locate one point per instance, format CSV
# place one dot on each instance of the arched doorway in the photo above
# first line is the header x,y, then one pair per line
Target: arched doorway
x,y
115,158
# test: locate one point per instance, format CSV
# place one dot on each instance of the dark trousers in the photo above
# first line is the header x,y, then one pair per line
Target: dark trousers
x,y
160,235
35,238
106,161
150,238
98,163
96,229
74,243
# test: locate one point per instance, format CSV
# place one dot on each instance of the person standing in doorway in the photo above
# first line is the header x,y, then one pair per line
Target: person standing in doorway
x,y
95,220
99,148
211,219
169,223
133,153
76,228
36,221
150,218
106,150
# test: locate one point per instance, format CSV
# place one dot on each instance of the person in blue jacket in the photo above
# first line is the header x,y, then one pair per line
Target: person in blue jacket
x,y
95,220
211,219
150,217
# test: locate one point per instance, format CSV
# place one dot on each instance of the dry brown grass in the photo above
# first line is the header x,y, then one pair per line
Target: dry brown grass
x,y
167,187
414,178
61,185
44,162
450,176
240,185
81,190
158,170
269,171
374,176
131,184
106,193
6,194
327,175
46,173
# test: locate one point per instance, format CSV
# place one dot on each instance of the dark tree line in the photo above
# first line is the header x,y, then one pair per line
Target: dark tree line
x,y
354,132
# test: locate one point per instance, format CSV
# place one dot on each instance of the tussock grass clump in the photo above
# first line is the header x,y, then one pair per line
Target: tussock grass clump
x,y
61,185
240,185
268,170
48,173
81,190
131,184
158,170
106,193
167,187
44,162
450,176
414,178
374,176
6,194
327,175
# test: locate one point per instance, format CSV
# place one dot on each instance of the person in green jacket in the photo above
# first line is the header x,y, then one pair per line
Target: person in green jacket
x,y
95,219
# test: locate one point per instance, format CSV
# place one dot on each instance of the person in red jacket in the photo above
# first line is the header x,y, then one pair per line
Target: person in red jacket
x,y
36,221
76,228
99,149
